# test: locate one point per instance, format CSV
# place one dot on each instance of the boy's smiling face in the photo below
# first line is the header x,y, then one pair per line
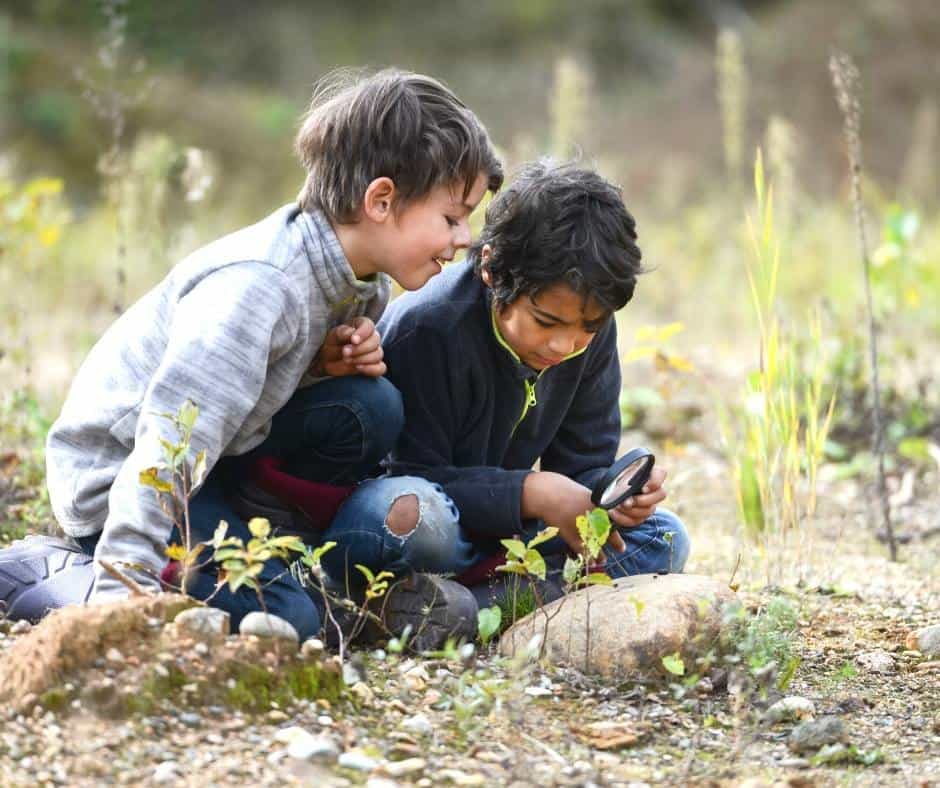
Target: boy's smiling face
x,y
415,241
545,329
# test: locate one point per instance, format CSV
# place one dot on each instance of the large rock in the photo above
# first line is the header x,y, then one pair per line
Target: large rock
x,y
926,640
627,629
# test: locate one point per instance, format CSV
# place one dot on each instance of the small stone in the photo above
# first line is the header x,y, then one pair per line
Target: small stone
x,y
325,720
361,690
928,667
381,782
203,622
267,625
190,719
794,763
405,767
538,692
304,746
459,778
790,708
276,716
357,760
810,736
876,661
20,627
202,649
926,640
166,772
419,723
312,648
114,656
351,674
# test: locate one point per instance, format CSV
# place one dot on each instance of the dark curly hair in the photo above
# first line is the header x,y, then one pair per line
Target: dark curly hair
x,y
560,223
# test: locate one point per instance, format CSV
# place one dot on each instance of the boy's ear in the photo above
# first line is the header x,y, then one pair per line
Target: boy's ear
x,y
379,199
485,253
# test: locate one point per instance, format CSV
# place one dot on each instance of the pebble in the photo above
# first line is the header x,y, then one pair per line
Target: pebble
x,y
114,656
405,767
792,707
167,771
876,661
304,746
357,760
810,736
276,716
190,719
362,691
267,625
926,640
20,627
381,782
794,763
419,723
203,622
312,648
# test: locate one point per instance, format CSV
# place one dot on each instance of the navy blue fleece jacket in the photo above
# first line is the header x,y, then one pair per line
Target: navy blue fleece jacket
x,y
476,419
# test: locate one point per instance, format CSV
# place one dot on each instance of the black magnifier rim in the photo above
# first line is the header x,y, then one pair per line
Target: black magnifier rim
x,y
616,469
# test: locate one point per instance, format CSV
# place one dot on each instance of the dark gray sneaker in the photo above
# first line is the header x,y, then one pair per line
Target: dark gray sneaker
x,y
434,607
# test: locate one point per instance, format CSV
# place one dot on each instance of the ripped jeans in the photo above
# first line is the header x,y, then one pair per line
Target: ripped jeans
x,y
438,544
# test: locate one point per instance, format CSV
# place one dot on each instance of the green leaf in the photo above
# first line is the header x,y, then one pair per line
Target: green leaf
x,y
514,547
597,579
638,604
318,552
367,573
149,477
513,567
220,531
535,564
488,621
572,569
259,527
674,664
187,416
227,553
199,468
599,521
543,536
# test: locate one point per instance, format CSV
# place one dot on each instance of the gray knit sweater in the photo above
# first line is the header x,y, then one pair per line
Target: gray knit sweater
x,y
234,327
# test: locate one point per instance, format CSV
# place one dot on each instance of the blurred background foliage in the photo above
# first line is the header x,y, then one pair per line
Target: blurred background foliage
x,y
132,131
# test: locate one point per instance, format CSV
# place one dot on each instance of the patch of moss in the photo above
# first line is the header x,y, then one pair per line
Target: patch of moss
x,y
255,688
54,699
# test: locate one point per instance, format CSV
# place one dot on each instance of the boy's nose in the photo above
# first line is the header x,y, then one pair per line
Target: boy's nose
x,y
462,235
562,345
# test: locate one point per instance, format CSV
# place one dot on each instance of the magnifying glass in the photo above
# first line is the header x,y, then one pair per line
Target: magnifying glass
x,y
623,479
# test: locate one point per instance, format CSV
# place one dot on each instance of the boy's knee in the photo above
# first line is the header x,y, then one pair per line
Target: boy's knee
x,y
675,534
403,515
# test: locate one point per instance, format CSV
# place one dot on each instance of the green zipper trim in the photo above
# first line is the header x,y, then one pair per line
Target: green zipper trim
x,y
530,399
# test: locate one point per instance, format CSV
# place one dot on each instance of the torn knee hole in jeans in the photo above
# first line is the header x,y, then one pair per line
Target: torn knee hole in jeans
x,y
404,515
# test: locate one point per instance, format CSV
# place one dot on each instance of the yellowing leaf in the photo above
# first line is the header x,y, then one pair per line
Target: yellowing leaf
x,y
639,353
49,236
149,477
175,552
674,664
259,527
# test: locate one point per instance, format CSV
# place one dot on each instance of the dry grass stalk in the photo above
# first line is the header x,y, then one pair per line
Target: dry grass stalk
x,y
845,78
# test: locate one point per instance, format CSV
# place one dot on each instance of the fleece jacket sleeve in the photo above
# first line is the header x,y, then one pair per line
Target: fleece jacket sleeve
x,y
223,336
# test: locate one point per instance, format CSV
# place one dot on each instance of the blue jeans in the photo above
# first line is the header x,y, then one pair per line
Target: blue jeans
x,y
335,432
438,543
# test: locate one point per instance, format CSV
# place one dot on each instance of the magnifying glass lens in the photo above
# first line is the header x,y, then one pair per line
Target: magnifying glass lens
x,y
619,486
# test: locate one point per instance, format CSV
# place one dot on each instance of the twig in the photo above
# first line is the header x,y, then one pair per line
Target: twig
x,y
135,589
545,747
845,78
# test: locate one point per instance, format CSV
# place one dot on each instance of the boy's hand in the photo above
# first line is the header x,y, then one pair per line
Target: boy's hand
x,y
353,348
559,501
639,508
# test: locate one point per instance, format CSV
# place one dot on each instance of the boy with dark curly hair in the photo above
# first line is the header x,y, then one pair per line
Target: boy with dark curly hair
x,y
506,361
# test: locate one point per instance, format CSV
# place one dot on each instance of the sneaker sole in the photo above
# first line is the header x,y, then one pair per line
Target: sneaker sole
x,y
436,609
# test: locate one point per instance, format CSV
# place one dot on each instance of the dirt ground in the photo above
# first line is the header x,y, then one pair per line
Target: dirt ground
x,y
436,721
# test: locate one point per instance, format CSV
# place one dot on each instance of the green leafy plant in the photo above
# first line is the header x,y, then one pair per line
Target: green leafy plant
x,y
241,563
488,621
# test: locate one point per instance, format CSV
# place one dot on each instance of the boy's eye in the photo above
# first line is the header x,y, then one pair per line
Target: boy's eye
x,y
543,323
451,221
